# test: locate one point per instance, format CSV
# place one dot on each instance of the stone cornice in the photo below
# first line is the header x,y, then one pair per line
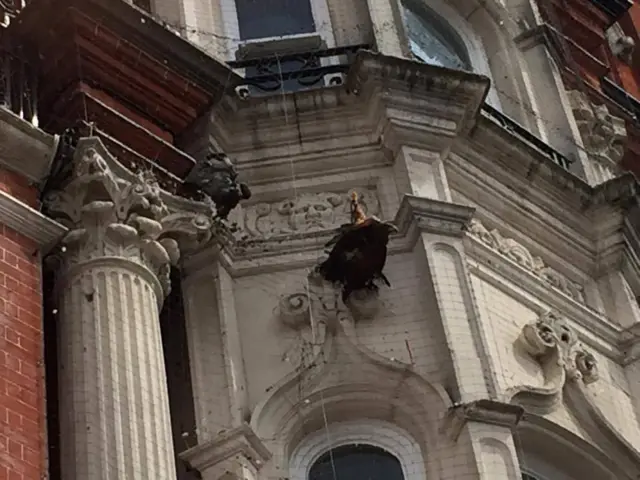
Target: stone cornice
x,y
418,104
25,149
433,216
578,225
452,94
240,441
29,222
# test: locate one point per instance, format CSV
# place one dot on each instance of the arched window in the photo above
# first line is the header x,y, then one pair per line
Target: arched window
x,y
367,450
357,462
439,35
431,38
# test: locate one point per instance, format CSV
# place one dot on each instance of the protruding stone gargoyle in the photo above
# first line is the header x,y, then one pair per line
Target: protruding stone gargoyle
x,y
554,345
358,253
217,178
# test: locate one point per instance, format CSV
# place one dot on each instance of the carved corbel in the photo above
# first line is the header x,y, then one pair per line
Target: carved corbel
x,y
554,344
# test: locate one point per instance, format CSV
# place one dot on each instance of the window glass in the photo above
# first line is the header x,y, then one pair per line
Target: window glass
x,y
357,462
274,18
432,40
143,4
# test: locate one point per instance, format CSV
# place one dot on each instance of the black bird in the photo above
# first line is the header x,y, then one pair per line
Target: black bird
x,y
358,252
216,177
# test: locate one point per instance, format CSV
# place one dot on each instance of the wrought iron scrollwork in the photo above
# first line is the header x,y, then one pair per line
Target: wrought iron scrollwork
x,y
11,7
296,70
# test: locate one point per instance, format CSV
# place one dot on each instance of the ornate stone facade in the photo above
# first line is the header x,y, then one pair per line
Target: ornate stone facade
x,y
518,253
306,213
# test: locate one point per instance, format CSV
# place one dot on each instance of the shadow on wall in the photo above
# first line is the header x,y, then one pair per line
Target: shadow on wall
x,y
176,357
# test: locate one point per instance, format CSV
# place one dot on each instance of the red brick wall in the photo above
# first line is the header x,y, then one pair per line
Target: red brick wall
x,y
22,403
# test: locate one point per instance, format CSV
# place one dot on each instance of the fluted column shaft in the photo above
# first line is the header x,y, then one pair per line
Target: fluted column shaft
x,y
114,406
112,278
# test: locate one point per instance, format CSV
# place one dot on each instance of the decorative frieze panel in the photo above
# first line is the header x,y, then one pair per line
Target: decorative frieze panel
x,y
603,134
518,253
307,212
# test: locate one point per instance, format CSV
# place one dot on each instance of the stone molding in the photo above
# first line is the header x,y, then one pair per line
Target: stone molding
x,y
433,216
377,433
516,252
124,217
29,222
224,456
25,149
554,344
490,412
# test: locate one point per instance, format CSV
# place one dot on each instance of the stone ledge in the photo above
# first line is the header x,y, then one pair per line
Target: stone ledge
x,y
25,149
433,216
219,456
29,222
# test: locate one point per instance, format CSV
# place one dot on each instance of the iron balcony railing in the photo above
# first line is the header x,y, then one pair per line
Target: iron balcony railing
x,y
9,9
521,132
296,71
18,79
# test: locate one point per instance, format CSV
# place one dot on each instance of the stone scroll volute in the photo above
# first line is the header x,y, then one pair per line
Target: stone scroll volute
x,y
554,344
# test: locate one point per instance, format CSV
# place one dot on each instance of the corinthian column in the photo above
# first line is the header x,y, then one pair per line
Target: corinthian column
x,y
112,278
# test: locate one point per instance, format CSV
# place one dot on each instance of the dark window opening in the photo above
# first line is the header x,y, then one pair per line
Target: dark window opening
x,y
176,357
274,18
357,462
51,372
143,4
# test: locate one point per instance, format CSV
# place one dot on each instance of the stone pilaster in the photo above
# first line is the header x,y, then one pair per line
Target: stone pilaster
x,y
440,227
112,278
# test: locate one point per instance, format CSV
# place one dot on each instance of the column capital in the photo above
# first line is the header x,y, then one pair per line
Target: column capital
x,y
433,216
116,216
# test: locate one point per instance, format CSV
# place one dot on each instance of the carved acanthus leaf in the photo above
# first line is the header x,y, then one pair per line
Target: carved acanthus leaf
x,y
308,212
603,134
109,216
518,253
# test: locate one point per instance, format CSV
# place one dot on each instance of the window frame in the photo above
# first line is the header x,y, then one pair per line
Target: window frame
x,y
321,17
376,433
449,17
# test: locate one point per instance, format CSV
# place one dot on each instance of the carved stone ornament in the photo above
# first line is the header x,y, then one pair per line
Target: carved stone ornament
x,y
123,216
621,45
315,310
554,344
516,252
603,134
308,212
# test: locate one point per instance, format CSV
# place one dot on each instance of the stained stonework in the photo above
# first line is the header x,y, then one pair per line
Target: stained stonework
x,y
518,253
308,212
